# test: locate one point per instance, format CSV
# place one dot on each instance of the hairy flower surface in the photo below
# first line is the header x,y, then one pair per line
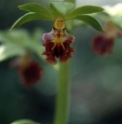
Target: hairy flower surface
x,y
102,45
57,43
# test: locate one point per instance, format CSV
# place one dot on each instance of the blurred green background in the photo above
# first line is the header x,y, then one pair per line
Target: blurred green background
x,y
96,84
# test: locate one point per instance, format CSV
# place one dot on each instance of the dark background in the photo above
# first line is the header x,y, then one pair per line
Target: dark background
x,y
96,84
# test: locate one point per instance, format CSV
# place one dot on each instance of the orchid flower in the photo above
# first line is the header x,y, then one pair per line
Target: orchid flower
x,y
57,42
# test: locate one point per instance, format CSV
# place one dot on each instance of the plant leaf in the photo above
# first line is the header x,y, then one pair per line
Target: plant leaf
x,y
24,121
10,50
17,42
83,10
71,1
60,9
27,18
91,21
117,20
37,8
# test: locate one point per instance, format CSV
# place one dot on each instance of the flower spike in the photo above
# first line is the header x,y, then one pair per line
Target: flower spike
x,y
57,43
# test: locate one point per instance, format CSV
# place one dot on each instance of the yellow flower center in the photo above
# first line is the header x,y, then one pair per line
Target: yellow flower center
x,y
59,28
59,24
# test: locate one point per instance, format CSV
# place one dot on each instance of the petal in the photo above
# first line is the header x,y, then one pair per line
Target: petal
x,y
68,37
68,52
49,53
48,36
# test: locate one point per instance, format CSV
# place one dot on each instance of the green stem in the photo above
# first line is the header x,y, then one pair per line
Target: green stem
x,y
62,100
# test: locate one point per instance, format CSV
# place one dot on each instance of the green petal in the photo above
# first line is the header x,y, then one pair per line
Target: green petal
x,y
27,18
84,10
38,8
91,21
60,9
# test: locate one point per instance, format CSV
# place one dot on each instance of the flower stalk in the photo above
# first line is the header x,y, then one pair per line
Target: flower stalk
x,y
62,98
